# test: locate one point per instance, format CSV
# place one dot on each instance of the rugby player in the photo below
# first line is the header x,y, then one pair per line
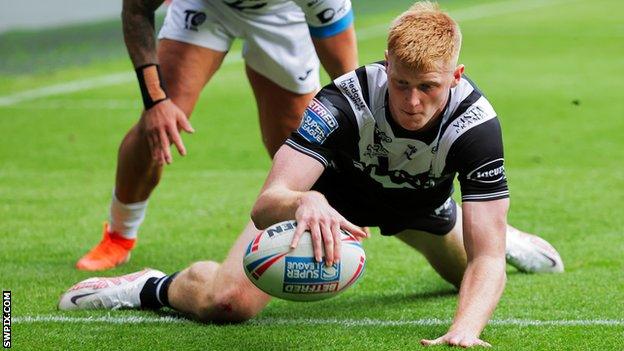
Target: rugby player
x,y
380,146
282,41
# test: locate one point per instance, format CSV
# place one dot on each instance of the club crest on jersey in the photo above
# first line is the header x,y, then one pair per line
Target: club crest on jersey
x,y
489,172
317,123
304,275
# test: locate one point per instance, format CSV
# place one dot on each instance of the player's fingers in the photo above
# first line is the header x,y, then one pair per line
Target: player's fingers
x,y
337,241
328,243
428,342
455,341
317,241
184,124
301,227
177,140
164,144
353,229
483,343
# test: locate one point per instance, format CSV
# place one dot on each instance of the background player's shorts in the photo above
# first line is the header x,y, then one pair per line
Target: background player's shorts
x,y
277,42
364,210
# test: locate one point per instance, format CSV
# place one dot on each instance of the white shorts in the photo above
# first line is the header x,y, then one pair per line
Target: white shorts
x,y
276,44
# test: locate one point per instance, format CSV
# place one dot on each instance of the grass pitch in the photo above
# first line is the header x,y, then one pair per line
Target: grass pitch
x,y
552,69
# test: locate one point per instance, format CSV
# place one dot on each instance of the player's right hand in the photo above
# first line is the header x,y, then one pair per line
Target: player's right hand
x,y
315,214
160,125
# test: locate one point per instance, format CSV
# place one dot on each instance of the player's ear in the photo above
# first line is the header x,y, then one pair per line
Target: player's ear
x,y
457,74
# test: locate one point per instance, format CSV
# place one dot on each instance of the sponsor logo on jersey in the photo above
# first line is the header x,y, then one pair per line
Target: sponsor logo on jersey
x,y
193,19
470,117
317,123
242,5
489,172
350,88
303,275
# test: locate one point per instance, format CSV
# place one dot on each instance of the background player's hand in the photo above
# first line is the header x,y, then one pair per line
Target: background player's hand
x,y
160,125
324,222
456,338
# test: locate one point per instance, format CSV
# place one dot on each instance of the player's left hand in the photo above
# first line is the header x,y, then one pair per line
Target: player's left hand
x,y
456,338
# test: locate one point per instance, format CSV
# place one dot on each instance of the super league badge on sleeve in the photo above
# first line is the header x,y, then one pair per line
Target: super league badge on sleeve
x,y
317,123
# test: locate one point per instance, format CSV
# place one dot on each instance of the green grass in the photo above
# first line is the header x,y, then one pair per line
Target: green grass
x,y
564,163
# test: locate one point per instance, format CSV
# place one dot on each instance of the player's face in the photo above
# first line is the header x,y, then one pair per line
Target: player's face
x,y
417,98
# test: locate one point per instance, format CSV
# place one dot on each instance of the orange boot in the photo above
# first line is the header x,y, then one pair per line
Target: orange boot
x,y
112,251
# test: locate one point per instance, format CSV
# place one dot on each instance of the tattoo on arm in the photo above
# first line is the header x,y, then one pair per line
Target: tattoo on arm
x,y
138,28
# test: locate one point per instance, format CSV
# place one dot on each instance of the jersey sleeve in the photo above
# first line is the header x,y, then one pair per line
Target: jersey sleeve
x,y
479,161
327,126
326,17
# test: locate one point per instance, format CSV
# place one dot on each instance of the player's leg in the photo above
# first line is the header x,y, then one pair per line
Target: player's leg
x,y
186,68
445,253
207,291
282,68
215,292
279,109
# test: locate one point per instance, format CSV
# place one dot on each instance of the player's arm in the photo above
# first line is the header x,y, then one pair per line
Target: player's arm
x,y
161,118
286,195
484,226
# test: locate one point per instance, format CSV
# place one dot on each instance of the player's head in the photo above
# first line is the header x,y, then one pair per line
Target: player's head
x,y
422,55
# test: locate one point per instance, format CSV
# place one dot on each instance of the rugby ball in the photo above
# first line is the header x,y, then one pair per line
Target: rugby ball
x,y
293,274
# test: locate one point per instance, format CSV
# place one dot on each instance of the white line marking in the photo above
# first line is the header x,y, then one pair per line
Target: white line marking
x,y
471,13
311,321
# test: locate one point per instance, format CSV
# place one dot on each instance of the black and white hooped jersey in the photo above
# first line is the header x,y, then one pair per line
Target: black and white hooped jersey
x,y
348,126
324,17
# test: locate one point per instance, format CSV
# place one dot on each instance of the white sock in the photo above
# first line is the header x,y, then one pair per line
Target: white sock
x,y
125,219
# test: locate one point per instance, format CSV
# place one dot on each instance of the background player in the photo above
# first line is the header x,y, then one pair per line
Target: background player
x,y
281,37
378,147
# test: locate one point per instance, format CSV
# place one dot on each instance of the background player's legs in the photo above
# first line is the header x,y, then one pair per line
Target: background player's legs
x,y
215,292
445,253
279,110
186,69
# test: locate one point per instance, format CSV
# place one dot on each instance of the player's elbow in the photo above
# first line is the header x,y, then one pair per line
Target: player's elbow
x,y
259,213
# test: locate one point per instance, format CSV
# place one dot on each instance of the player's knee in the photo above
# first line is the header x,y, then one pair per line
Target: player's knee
x,y
229,304
224,300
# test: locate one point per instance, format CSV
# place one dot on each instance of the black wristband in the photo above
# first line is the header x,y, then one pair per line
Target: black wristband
x,y
151,84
